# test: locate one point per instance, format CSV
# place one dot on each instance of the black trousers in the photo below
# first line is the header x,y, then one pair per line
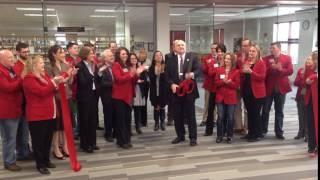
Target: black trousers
x,y
41,138
144,114
254,107
279,101
312,145
184,108
123,122
138,115
97,110
108,117
170,109
87,112
210,117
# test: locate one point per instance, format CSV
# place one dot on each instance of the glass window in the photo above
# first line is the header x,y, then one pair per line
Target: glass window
x,y
294,30
294,49
283,32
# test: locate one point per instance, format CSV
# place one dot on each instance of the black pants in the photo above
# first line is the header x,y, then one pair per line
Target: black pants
x,y
170,109
210,117
279,101
97,110
311,127
144,114
87,112
41,138
254,106
138,115
123,122
108,117
184,108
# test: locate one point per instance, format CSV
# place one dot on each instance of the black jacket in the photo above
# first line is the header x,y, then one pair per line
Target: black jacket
x,y
105,84
163,89
85,82
172,74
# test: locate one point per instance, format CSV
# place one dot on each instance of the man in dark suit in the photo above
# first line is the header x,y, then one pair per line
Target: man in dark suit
x,y
183,66
105,78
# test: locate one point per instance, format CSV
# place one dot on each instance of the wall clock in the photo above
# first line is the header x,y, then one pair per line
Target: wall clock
x,y
305,24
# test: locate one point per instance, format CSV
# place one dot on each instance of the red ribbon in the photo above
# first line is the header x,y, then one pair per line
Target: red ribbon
x,y
185,87
75,165
314,91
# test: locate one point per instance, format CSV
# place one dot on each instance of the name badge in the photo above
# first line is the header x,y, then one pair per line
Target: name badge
x,y
216,65
125,70
146,67
222,76
180,74
209,61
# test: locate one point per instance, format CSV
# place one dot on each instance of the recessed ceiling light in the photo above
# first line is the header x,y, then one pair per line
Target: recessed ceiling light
x,y
176,14
110,10
39,15
33,9
226,15
101,16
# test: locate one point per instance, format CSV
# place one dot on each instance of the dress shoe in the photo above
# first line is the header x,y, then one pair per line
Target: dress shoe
x,y
245,137
96,148
193,142
126,146
57,157
280,137
203,123
89,150
298,137
219,140
178,140
162,126
100,128
169,123
64,153
51,165
253,139
43,170
207,134
13,167
138,130
229,140
109,139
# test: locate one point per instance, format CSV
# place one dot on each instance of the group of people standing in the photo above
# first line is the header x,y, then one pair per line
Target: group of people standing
x,y
30,99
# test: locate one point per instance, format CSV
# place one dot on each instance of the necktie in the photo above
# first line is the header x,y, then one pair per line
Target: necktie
x,y
181,64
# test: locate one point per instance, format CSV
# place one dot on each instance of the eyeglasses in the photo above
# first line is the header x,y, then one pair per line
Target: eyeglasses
x,y
24,52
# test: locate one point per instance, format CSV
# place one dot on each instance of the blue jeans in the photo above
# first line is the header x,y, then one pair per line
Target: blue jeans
x,y
8,131
23,149
225,119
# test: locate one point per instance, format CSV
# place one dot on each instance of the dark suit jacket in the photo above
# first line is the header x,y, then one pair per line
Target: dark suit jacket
x,y
172,74
105,84
85,82
163,89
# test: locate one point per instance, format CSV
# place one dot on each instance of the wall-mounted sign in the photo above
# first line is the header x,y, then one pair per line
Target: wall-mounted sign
x,y
70,29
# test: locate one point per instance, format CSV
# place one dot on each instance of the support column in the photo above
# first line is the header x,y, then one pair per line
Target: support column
x,y
162,21
123,30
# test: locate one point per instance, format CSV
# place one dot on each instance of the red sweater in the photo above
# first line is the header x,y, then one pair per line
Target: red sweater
x,y
123,85
299,82
208,83
227,93
10,95
39,97
258,76
278,78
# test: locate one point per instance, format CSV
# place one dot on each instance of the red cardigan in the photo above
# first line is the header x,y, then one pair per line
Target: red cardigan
x,y
39,98
227,93
258,77
276,77
10,95
123,85
299,82
18,67
208,83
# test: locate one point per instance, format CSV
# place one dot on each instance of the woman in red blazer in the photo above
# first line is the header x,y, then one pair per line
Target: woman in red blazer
x,y
253,91
299,82
39,90
122,94
227,81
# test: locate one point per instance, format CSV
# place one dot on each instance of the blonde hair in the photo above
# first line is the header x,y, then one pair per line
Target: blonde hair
x,y
254,45
232,58
31,62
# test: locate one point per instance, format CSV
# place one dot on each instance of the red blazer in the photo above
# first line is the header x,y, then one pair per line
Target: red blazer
x,y
18,67
276,77
227,93
208,83
10,95
39,98
312,75
72,63
299,82
241,58
258,77
123,85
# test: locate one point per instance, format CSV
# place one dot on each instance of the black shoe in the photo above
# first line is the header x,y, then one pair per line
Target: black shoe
x,y
57,157
245,137
170,123
203,123
219,140
229,140
126,146
262,136
193,142
109,139
253,139
156,127
162,126
51,165
207,134
178,140
298,137
43,170
96,147
280,137
89,150
100,128
138,130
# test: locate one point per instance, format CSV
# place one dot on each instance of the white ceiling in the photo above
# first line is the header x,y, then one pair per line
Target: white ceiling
x,y
71,13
